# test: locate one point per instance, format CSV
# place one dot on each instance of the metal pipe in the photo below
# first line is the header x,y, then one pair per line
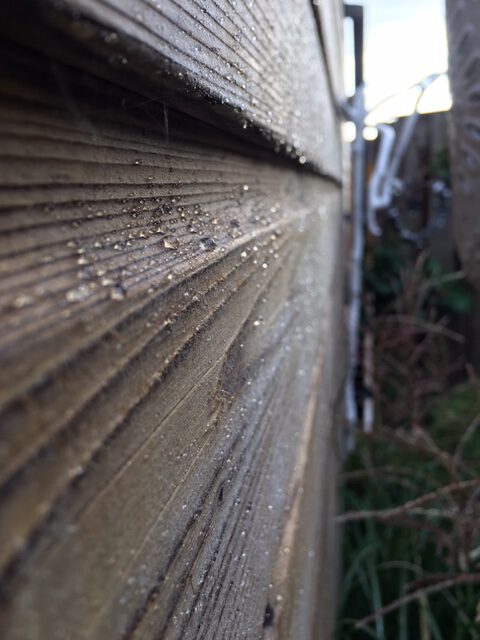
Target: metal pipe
x,y
356,266
358,227
385,175
380,187
355,12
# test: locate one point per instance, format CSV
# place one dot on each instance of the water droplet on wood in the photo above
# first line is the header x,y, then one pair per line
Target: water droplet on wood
x,y
208,244
169,242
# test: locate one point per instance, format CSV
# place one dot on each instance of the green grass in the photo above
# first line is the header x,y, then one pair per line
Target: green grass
x,y
381,559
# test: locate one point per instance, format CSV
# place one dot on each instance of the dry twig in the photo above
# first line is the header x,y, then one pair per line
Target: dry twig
x,y
468,578
387,514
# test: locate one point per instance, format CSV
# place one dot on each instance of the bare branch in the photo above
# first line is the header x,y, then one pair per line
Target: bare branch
x,y
472,578
387,514
467,436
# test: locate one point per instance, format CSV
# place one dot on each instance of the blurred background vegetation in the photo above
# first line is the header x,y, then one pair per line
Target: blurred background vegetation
x,y
411,488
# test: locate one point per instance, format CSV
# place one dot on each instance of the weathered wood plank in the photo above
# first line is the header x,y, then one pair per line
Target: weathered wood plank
x,y
463,18
256,67
330,18
168,319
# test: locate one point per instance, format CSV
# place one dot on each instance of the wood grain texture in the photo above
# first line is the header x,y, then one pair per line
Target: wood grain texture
x,y
256,67
330,24
464,52
169,300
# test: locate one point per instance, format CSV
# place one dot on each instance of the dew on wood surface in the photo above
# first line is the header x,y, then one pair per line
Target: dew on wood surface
x,y
172,243
78,294
118,292
208,244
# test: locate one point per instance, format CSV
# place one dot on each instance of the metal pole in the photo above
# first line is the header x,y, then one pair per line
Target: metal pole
x,y
358,219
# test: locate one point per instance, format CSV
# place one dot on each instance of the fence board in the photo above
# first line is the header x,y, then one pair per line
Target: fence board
x,y
168,329
256,68
330,18
463,18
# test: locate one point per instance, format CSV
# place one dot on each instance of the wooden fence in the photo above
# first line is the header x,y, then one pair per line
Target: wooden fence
x,y
170,294
463,17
